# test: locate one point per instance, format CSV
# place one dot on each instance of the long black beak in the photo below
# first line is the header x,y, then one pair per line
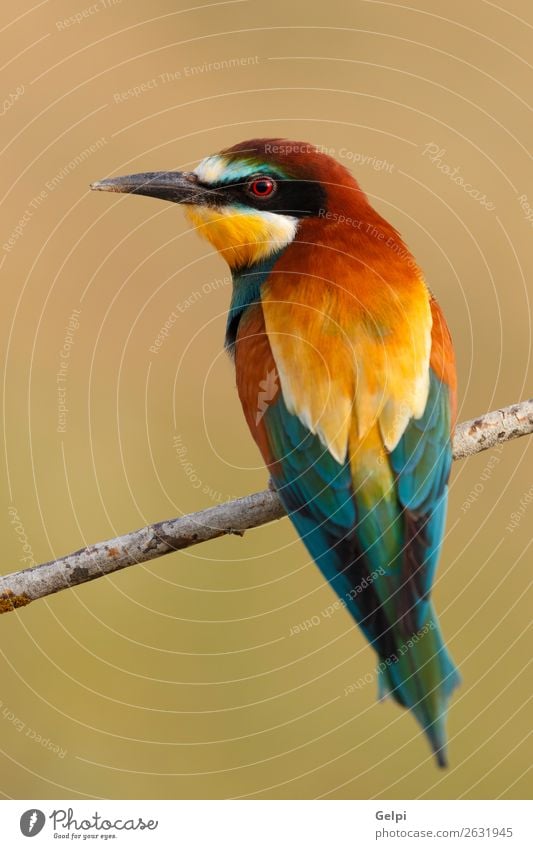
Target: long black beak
x,y
175,186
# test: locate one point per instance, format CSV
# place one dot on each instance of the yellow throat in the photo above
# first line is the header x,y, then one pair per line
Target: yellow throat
x,y
242,237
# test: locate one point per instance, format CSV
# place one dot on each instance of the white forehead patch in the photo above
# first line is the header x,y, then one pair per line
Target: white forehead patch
x,y
220,169
211,169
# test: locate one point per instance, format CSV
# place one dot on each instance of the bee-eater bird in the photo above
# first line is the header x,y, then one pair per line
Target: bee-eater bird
x,y
346,374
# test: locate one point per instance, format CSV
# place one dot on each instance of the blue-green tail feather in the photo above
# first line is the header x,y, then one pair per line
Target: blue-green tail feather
x,y
422,678
380,554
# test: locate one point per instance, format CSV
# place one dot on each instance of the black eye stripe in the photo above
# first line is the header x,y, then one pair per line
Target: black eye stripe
x,y
291,196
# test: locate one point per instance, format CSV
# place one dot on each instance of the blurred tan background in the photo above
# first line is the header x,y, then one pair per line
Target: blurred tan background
x,y
180,678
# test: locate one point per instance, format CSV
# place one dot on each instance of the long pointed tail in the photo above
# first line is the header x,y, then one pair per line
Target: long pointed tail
x,y
421,677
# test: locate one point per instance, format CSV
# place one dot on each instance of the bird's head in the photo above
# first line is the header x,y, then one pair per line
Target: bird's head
x,y
251,199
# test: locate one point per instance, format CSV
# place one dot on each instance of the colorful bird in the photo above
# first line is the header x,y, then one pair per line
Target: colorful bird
x,y
345,370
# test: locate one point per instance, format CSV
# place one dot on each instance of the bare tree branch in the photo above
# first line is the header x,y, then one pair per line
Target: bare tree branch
x,y
235,517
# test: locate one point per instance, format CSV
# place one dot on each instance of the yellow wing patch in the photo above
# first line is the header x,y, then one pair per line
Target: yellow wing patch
x,y
345,359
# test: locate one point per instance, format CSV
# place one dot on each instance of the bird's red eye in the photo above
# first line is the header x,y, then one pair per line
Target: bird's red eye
x,y
261,187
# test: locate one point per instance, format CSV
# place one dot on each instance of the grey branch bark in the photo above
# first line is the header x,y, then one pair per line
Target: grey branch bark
x,y
234,517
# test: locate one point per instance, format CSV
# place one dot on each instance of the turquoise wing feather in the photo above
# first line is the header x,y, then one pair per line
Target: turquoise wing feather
x,y
381,557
